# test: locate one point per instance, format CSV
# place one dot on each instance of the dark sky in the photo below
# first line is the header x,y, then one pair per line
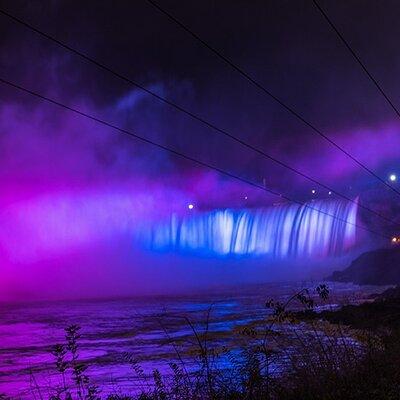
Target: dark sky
x,y
73,191
285,45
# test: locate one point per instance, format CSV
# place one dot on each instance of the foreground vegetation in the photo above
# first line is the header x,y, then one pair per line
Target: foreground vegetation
x,y
353,354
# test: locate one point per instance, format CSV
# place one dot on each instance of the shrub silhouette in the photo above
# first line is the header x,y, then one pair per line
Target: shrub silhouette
x,y
319,361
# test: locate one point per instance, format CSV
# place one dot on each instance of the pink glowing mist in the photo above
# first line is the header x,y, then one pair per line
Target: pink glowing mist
x,y
73,190
72,193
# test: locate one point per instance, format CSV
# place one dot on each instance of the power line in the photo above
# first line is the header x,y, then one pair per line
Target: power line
x,y
270,94
178,153
356,57
192,115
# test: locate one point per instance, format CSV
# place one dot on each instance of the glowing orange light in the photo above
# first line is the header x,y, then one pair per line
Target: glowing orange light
x,y
395,239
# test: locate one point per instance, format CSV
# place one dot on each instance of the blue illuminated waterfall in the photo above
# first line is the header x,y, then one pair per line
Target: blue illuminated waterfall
x,y
279,231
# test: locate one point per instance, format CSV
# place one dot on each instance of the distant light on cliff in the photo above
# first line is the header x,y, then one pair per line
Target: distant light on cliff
x,y
393,177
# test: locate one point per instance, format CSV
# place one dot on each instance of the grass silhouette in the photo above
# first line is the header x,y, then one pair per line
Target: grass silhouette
x,y
321,360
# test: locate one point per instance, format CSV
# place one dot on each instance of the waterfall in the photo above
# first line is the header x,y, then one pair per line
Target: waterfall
x,y
279,231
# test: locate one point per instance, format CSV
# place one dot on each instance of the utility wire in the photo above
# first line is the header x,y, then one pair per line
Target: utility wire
x,y
356,57
179,154
192,115
270,94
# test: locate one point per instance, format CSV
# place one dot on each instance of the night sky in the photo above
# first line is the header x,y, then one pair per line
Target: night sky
x,y
285,45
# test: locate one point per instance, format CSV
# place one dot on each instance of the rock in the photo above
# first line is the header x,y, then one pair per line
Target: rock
x,y
388,294
378,267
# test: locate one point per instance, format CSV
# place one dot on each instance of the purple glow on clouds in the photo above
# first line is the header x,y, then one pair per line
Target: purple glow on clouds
x,y
69,185
38,228
362,143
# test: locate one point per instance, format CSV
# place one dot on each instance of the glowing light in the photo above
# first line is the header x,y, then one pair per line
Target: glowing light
x,y
393,177
245,197
190,206
329,193
395,239
281,231
313,191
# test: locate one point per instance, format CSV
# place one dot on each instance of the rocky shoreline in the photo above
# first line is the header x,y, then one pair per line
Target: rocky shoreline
x,y
377,267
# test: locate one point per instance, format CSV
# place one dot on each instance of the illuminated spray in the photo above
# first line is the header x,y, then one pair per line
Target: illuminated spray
x,y
281,231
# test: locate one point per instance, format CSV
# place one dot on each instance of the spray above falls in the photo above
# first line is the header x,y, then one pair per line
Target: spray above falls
x,y
320,228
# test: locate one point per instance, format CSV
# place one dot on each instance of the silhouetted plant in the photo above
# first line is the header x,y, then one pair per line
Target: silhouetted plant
x,y
72,336
318,361
323,291
67,360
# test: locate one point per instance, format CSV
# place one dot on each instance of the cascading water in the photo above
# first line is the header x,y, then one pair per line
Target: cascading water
x,y
279,231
